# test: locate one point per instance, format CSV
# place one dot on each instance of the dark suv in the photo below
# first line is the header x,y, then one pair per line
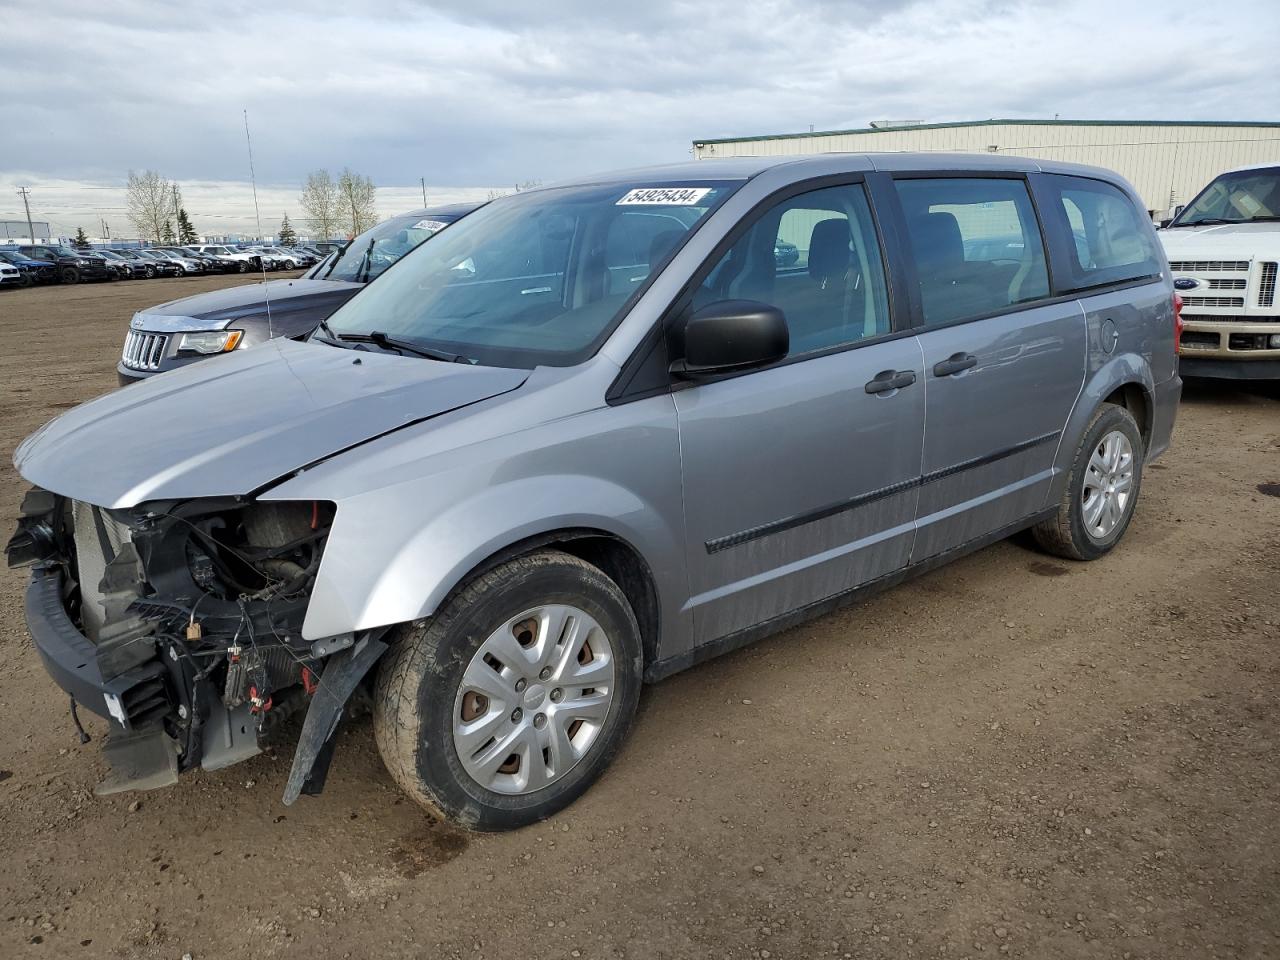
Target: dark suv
x,y
72,266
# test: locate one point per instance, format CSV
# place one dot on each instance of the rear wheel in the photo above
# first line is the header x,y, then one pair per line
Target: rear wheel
x,y
1102,491
509,703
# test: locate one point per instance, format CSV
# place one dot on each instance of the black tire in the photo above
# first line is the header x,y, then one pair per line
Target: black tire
x,y
243,266
418,682
1066,534
69,275
151,273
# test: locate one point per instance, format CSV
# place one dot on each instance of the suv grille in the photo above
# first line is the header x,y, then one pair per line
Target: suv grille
x,y
1213,301
1267,286
144,351
1202,266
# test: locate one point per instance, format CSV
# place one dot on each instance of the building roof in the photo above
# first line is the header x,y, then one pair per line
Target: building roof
x,y
907,128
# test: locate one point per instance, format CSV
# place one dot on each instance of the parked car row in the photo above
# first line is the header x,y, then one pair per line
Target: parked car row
x,y
29,264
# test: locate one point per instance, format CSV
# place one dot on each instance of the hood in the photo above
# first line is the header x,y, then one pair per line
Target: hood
x,y
218,308
1240,241
233,424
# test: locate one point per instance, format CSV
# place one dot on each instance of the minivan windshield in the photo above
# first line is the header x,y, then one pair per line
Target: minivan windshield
x,y
377,248
1240,197
535,278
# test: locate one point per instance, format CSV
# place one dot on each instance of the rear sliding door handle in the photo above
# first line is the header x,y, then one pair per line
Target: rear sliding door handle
x,y
954,364
889,380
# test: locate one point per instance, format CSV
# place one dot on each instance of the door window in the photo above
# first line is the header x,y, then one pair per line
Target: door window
x,y
814,256
976,245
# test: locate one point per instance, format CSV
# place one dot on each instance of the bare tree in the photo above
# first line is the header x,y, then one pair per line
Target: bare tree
x,y
357,201
320,201
519,188
150,199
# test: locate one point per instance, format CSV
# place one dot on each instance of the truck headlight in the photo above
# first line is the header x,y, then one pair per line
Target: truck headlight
x,y
1275,341
213,341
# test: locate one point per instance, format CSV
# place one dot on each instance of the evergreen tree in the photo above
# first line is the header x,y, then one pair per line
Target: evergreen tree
x,y
287,236
186,232
81,241
166,235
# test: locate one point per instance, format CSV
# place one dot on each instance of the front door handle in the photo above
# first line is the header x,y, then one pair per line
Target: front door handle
x,y
888,380
954,364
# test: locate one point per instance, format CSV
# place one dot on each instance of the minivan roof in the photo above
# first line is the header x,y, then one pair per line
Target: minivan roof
x,y
744,168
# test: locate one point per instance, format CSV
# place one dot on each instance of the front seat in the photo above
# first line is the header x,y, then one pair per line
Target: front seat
x,y
822,305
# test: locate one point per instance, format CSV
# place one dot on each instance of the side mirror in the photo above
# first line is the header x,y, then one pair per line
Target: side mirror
x,y
732,335
1165,222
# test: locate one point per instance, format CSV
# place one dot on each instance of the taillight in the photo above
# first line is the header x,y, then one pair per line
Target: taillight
x,y
1177,323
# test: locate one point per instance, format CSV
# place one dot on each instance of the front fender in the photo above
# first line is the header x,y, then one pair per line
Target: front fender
x,y
1118,371
417,512
425,563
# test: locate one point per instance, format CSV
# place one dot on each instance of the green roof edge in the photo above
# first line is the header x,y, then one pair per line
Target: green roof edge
x,y
993,123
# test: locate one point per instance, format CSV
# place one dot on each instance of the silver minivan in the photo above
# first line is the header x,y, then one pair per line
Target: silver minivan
x,y
591,435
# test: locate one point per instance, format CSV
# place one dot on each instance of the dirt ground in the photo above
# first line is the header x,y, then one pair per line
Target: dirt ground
x,y
1014,755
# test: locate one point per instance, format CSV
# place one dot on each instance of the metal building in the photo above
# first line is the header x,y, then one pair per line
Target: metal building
x,y
1167,161
11,231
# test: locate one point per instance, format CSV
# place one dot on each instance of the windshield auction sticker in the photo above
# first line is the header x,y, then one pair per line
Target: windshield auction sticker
x,y
668,196
432,225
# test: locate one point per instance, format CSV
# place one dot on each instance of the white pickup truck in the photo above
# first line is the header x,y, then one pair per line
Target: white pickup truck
x,y
1224,248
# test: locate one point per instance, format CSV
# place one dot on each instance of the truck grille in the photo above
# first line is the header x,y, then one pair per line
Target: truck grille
x,y
1237,284
143,351
1213,301
1267,285
1207,266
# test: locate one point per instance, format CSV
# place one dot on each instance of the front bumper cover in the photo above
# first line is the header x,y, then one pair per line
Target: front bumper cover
x,y
70,658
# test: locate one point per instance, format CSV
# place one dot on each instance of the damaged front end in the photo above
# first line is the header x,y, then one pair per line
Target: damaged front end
x,y
180,622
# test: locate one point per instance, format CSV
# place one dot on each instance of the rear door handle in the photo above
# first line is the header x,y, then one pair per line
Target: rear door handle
x,y
954,364
889,380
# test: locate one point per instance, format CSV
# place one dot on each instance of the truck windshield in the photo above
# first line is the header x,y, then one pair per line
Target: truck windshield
x,y
1235,198
535,278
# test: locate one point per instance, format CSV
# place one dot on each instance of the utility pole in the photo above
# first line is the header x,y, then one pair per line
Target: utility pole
x,y
31,230
423,180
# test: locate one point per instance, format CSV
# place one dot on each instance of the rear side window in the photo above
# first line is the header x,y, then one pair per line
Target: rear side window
x,y
1111,239
976,245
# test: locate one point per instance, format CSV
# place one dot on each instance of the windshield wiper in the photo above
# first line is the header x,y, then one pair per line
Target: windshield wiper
x,y
1206,222
330,336
387,342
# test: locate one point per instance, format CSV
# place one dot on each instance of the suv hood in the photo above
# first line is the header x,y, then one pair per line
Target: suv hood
x,y
231,425
218,308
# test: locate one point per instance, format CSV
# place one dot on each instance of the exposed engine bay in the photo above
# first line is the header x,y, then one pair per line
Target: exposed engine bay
x,y
191,612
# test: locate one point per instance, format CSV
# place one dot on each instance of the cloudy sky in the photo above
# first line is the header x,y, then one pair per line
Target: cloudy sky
x,y
482,94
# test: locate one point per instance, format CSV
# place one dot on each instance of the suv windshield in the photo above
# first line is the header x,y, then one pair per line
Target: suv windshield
x,y
534,278
1235,198
373,251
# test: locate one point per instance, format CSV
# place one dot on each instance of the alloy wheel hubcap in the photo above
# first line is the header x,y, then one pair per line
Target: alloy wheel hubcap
x,y
1107,493
533,699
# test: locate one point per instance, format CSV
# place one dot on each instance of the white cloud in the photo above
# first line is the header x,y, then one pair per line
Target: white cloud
x,y
499,91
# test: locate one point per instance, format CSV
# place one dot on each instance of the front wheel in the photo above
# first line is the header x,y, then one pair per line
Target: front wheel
x,y
70,275
1102,490
506,705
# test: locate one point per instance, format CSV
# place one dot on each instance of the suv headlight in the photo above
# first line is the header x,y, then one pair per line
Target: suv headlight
x,y
212,341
